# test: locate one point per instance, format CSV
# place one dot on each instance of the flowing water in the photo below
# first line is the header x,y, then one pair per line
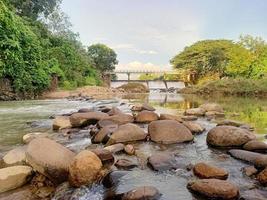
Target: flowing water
x,y
19,118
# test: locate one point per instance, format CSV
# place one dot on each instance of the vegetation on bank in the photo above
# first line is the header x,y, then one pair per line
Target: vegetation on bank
x,y
238,87
37,45
134,88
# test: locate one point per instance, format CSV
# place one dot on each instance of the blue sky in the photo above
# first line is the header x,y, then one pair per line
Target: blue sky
x,y
148,33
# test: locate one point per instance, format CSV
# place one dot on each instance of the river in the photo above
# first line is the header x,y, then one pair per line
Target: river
x,y
21,117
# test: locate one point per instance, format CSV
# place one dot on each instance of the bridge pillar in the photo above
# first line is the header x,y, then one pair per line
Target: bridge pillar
x,y
166,84
129,76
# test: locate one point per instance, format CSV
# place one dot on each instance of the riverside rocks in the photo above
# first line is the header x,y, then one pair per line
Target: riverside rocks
x,y
229,136
105,156
84,169
262,177
127,133
255,145
195,111
206,171
170,117
49,158
129,149
125,164
118,119
84,119
169,132
214,188
115,148
212,107
162,161
146,117
194,127
142,193
61,122
15,157
104,134
14,177
30,136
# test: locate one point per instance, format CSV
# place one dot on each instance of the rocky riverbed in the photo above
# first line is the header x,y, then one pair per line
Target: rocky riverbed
x,y
118,150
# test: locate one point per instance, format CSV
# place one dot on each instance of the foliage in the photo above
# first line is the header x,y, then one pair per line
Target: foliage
x,y
103,58
149,77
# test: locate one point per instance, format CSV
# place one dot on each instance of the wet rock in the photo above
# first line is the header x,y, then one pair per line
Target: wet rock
x,y
129,149
112,178
214,188
137,108
169,132
211,114
61,122
104,134
15,157
85,110
30,136
125,164
118,119
141,193
228,136
84,169
162,161
212,107
114,111
255,145
21,193
170,117
115,148
194,127
148,107
206,171
14,177
249,171
189,118
49,158
127,133
195,111
146,117
105,156
234,123
262,177
85,119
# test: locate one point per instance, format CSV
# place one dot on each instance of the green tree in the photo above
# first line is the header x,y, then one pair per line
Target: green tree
x,y
103,58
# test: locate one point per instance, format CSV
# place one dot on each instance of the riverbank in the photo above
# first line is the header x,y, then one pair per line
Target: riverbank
x,y
228,87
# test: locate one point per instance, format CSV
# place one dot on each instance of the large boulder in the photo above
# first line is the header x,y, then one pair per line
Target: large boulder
x,y
14,177
194,127
146,116
61,122
169,132
30,136
262,177
127,133
206,171
170,117
49,158
255,145
104,134
15,157
195,111
118,119
214,188
84,119
212,107
229,136
85,169
142,193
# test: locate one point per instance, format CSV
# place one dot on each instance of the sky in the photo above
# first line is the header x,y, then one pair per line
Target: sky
x,y
148,33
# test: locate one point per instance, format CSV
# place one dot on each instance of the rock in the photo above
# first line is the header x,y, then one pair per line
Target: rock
x,y
125,164
146,117
85,110
194,127
104,134
162,161
85,119
206,171
61,122
189,118
118,119
114,111
84,169
49,158
195,111
105,156
14,177
127,133
142,193
170,117
211,114
15,157
262,177
137,108
214,188
30,136
129,149
234,123
250,170
115,148
212,107
112,178
148,107
255,145
228,136
169,132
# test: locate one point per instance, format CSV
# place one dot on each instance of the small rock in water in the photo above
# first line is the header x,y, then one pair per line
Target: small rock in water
x,y
195,111
162,161
104,134
262,177
194,127
148,107
118,119
61,122
189,118
142,193
114,111
115,148
214,188
125,164
15,157
170,117
255,145
85,119
85,110
105,156
146,117
129,149
206,171
250,171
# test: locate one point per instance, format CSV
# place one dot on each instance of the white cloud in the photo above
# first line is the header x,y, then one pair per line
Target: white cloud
x,y
136,65
131,47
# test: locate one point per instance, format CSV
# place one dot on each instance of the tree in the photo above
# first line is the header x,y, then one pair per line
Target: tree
x,y
103,58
